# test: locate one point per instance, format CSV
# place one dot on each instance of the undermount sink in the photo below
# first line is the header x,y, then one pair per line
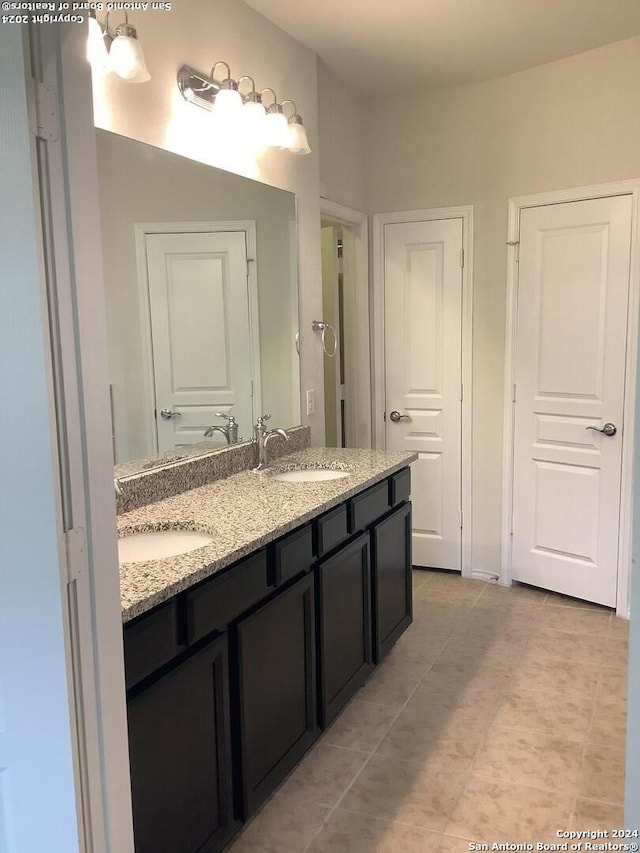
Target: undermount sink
x,y
311,475
157,544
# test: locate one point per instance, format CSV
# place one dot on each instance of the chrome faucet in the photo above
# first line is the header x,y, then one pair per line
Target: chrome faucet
x,y
230,431
262,437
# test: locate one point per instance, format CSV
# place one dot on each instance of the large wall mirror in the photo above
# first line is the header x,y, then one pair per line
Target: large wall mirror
x,y
202,302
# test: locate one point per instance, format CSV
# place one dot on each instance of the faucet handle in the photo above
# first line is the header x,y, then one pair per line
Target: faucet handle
x,y
230,418
263,418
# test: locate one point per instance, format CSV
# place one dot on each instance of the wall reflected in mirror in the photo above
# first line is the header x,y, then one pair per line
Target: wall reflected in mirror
x,y
202,302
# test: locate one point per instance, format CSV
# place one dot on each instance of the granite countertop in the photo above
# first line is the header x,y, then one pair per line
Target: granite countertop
x,y
243,512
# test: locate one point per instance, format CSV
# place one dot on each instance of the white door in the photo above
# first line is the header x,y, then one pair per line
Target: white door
x,y
573,291
423,363
203,359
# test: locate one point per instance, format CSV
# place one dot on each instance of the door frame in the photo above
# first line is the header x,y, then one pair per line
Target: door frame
x,y
465,213
516,205
357,223
141,230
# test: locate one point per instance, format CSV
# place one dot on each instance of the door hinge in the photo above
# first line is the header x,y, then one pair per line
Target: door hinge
x,y
516,249
76,547
46,113
462,258
461,519
461,392
513,396
384,417
251,391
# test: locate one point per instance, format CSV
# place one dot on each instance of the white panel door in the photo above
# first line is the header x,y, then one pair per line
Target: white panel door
x,y
200,323
573,292
423,342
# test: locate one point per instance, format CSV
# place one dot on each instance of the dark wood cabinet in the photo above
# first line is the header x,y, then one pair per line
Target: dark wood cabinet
x,y
228,681
344,625
180,756
273,691
391,541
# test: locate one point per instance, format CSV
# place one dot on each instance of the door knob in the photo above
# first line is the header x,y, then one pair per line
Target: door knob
x,y
396,417
167,414
608,429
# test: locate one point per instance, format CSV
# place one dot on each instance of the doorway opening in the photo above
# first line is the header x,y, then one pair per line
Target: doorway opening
x,y
346,343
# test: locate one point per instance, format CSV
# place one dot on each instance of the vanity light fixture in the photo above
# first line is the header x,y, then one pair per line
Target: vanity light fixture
x,y
268,124
228,100
121,53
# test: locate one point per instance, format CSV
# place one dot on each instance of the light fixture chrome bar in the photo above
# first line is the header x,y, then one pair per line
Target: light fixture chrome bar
x,y
197,88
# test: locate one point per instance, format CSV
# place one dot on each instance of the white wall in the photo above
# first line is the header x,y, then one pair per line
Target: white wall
x,y
568,123
140,184
341,116
198,34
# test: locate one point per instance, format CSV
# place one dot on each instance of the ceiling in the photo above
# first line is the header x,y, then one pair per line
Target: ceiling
x,y
380,46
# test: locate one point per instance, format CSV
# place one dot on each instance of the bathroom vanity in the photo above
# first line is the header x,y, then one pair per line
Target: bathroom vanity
x,y
238,654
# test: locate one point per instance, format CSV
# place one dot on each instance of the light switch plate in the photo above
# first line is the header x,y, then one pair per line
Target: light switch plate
x,y
311,401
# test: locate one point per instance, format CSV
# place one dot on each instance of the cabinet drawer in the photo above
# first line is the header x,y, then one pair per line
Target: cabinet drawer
x,y
331,529
216,602
292,555
149,642
366,508
400,487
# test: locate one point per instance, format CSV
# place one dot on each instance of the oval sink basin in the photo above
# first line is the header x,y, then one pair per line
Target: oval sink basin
x,y
157,544
311,475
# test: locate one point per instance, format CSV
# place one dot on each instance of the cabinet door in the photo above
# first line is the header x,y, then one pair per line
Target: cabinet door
x,y
275,695
179,748
391,579
344,608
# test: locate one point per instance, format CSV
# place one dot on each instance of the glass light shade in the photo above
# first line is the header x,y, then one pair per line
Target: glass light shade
x,y
253,117
97,54
227,102
298,142
276,131
127,59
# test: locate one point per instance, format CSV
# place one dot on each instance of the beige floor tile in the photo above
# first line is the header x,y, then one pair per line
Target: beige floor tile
x,y
473,652
592,814
412,652
602,776
619,627
503,811
391,685
460,596
512,595
553,675
361,725
446,750
281,828
575,621
439,615
419,577
404,792
450,844
609,724
584,648
616,652
555,599
347,832
478,691
323,776
537,711
530,758
473,664
613,685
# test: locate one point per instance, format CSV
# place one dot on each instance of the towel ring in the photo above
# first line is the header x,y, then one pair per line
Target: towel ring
x,y
320,326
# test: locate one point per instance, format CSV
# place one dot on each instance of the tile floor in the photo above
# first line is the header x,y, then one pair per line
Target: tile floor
x,y
498,716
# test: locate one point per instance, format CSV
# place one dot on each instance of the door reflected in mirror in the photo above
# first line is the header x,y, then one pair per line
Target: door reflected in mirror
x,y
202,303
